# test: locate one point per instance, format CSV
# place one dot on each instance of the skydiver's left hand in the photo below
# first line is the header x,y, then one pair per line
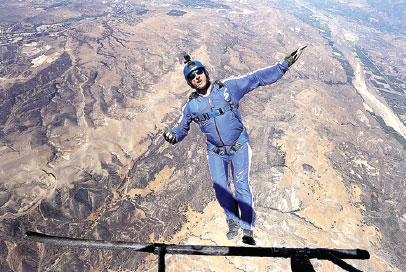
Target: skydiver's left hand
x,y
292,58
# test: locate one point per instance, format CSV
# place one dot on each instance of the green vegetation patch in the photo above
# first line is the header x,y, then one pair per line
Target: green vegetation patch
x,y
394,96
389,130
349,71
175,12
367,62
381,80
62,3
391,80
377,85
203,4
141,12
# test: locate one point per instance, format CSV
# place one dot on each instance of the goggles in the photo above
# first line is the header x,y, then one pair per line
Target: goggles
x,y
193,74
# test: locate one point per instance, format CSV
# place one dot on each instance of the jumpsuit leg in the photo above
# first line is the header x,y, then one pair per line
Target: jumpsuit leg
x,y
219,170
240,166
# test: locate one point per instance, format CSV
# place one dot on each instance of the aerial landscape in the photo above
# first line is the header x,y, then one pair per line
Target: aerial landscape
x,y
87,89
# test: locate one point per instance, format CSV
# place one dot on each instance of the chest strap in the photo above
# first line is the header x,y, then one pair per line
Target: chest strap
x,y
211,114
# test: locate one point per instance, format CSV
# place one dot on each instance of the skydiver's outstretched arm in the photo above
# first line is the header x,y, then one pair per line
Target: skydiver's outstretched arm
x,y
239,86
268,75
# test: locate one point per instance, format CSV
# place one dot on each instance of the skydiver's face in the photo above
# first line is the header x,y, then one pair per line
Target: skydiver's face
x,y
199,79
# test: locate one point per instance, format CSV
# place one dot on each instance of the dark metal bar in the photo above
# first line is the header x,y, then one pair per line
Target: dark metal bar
x,y
333,255
100,244
319,253
161,258
301,264
342,264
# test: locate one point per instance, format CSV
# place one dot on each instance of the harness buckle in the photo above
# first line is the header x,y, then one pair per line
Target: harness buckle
x,y
236,147
206,116
221,111
219,151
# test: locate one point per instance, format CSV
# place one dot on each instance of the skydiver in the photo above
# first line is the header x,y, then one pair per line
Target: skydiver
x,y
215,108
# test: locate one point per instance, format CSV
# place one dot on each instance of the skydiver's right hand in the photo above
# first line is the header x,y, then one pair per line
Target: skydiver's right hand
x,y
169,137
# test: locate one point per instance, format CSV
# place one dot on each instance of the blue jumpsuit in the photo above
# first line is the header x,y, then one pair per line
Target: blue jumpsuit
x,y
227,139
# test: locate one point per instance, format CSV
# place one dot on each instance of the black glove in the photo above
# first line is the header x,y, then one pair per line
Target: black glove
x,y
292,58
169,137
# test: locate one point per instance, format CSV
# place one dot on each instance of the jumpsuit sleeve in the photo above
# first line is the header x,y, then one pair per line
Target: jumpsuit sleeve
x,y
241,85
182,128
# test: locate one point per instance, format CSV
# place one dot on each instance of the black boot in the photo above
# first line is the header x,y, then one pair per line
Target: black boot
x,y
248,237
233,228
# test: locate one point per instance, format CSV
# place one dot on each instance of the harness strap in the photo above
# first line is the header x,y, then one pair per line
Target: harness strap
x,y
219,83
206,116
242,139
